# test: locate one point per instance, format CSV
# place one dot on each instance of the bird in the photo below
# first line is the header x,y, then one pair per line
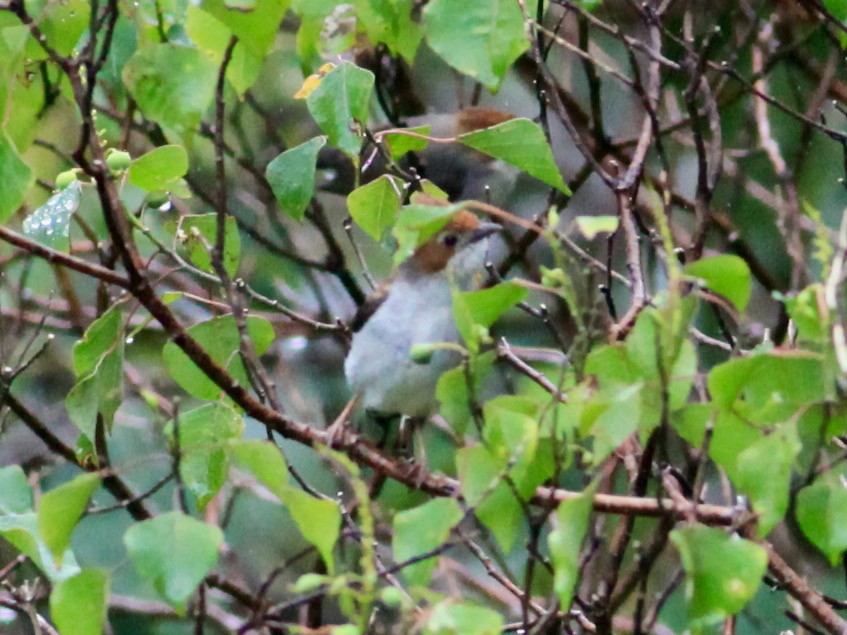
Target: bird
x,y
415,308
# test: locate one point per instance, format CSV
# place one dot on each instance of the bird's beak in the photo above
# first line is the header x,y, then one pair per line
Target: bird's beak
x,y
484,230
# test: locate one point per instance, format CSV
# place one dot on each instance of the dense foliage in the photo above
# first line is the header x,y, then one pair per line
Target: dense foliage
x,y
647,431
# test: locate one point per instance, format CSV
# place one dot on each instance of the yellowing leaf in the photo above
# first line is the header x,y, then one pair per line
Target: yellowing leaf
x,y
313,81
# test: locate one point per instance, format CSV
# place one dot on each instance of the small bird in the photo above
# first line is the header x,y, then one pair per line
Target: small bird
x,y
415,308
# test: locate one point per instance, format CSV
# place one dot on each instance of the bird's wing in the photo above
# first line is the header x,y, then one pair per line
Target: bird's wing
x,y
369,307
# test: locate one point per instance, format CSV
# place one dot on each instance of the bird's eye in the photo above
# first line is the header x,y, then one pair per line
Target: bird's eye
x,y
450,240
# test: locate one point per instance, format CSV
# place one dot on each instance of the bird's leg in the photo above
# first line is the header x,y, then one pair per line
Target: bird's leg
x,y
411,434
417,429
404,444
378,478
384,422
338,431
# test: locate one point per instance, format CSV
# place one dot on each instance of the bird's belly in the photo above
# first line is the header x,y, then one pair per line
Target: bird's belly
x,y
380,370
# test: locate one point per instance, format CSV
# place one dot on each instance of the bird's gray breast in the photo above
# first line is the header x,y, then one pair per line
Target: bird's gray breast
x,y
379,367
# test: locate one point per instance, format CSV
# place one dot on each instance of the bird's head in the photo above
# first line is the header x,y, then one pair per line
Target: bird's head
x,y
457,249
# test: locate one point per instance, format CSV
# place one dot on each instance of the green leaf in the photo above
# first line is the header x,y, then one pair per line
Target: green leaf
x,y
399,144
612,367
805,310
682,375
417,223
173,84
319,520
433,190
479,471
207,32
15,492
93,395
392,23
310,37
204,436
17,178
501,512
727,381
22,99
481,482
78,605
566,543
263,460
483,307
838,8
256,27
531,470
512,447
645,350
14,37
726,275
160,168
124,44
243,69
174,552
452,390
822,515
449,618
722,572
692,421
98,364
422,529
219,336
486,305
211,35
521,143
763,473
60,509
511,428
318,39
590,226
375,206
21,531
786,377
619,367
63,23
611,416
731,435
100,338
292,176
343,96
199,234
50,224
479,38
